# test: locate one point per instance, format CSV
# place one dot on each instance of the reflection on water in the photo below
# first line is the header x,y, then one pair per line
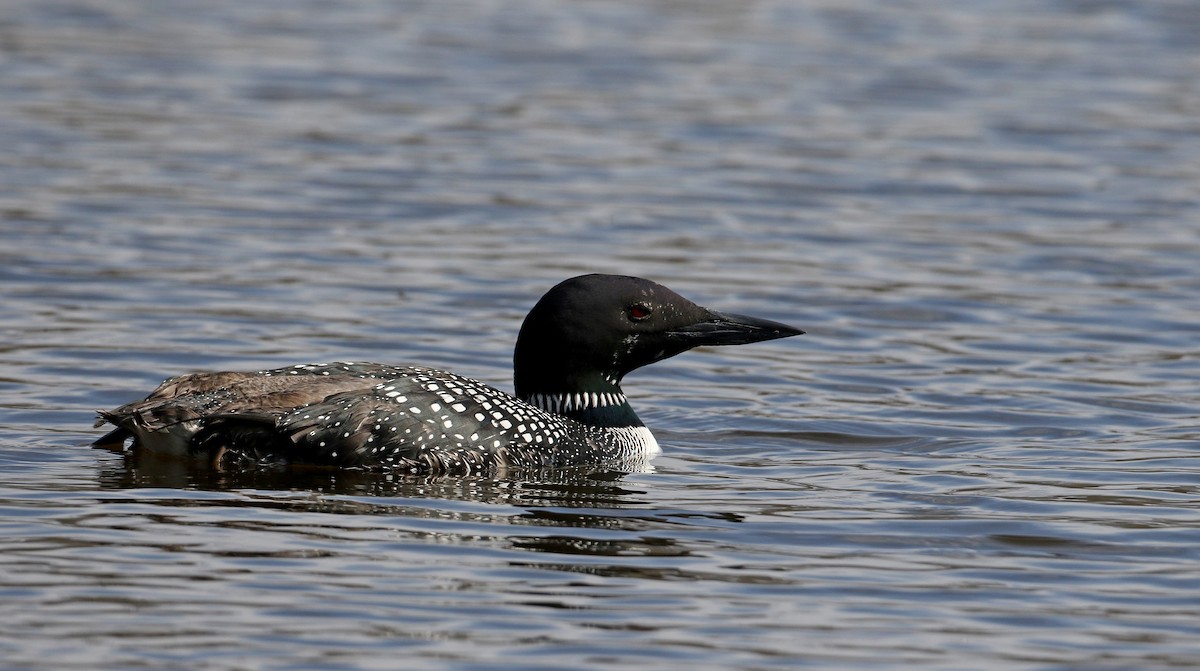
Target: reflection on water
x,y
145,470
984,215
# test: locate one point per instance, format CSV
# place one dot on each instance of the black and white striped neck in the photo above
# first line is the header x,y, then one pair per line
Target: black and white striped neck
x,y
579,401
609,408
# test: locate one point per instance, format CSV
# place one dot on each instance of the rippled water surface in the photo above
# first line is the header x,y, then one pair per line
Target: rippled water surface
x,y
985,453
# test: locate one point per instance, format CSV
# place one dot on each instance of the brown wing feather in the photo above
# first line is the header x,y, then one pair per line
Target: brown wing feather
x,y
197,396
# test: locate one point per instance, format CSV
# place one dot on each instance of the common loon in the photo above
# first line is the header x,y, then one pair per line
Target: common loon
x,y
573,349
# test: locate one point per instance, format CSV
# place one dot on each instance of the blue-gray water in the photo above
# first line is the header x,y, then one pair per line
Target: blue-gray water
x,y
985,454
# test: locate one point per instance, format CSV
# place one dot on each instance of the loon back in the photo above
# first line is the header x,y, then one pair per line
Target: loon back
x,y
574,348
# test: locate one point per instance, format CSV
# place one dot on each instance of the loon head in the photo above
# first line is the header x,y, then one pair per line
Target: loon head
x,y
587,332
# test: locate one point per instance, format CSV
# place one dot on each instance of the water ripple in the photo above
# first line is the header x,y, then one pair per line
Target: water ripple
x,y
985,447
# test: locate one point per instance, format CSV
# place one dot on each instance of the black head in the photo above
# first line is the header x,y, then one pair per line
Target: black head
x,y
587,332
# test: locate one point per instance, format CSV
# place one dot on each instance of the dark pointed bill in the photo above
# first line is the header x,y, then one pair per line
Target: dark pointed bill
x,y
729,329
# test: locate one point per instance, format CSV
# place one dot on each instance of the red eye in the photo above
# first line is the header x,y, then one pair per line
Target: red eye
x,y
639,311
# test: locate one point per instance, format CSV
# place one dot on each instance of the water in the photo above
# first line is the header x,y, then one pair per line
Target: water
x,y
985,454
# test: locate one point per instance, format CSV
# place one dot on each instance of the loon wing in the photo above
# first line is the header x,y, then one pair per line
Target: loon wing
x,y
357,415
435,423
169,418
